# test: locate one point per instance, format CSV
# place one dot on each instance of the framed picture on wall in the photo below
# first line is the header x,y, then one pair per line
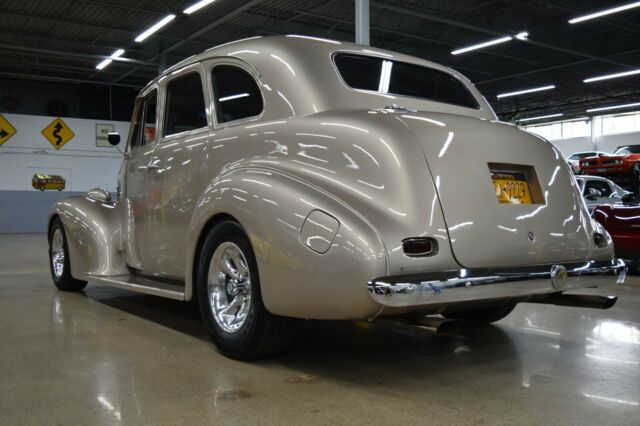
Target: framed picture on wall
x,y
102,130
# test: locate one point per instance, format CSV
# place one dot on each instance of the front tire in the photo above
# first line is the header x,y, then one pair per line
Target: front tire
x,y
482,316
230,298
59,261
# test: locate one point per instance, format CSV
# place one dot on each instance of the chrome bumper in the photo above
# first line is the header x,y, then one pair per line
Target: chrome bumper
x,y
466,285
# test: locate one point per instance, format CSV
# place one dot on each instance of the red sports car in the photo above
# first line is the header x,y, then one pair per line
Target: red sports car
x,y
623,167
622,221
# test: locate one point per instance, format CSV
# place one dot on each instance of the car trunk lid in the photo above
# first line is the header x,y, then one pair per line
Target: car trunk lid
x,y
462,153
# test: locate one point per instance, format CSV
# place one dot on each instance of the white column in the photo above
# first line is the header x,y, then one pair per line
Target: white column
x,y
362,22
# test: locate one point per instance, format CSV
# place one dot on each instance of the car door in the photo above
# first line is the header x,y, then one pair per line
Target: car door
x,y
179,173
139,251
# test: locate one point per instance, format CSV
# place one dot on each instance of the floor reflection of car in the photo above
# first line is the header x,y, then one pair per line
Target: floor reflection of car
x,y
598,190
43,181
574,159
623,166
622,221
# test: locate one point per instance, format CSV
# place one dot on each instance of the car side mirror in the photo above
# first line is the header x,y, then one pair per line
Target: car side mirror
x,y
593,194
113,138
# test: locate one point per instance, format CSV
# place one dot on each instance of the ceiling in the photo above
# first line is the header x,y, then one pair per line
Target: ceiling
x,y
64,40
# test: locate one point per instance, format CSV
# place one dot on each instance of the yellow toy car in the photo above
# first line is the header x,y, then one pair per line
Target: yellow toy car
x,y
43,181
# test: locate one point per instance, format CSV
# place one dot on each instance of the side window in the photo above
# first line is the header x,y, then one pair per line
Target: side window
x,y
185,105
603,187
237,94
144,125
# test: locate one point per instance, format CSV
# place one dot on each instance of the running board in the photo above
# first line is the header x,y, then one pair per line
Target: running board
x,y
140,285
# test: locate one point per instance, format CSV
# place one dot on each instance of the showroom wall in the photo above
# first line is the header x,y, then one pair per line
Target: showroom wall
x,y
79,161
606,143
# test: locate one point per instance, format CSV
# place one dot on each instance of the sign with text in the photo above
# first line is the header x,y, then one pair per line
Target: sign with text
x,y
102,131
58,133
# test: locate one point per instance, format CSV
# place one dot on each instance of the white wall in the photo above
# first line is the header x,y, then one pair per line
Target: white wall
x,y
606,143
569,146
79,161
609,143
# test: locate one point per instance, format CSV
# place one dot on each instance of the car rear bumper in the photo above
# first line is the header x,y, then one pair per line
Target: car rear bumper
x,y
471,285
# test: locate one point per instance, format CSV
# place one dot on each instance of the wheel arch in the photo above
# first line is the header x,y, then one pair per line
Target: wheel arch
x,y
295,280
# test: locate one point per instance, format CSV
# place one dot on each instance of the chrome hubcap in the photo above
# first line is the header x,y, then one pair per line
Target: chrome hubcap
x,y
229,287
57,253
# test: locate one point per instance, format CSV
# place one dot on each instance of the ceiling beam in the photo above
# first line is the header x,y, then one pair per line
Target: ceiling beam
x,y
478,28
412,36
21,76
67,54
204,30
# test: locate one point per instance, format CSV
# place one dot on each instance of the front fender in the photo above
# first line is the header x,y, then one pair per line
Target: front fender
x,y
93,236
296,280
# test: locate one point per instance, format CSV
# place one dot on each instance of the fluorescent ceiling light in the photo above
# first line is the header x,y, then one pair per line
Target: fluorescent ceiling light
x,y
155,27
522,92
608,76
197,6
481,45
614,107
104,63
540,117
117,53
230,97
604,12
520,36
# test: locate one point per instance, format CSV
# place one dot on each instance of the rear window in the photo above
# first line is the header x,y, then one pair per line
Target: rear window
x,y
402,79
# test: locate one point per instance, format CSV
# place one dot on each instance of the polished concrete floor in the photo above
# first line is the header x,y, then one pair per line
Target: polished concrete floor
x,y
107,356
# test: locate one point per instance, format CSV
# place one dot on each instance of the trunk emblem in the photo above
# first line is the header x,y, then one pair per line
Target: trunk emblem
x,y
531,236
559,277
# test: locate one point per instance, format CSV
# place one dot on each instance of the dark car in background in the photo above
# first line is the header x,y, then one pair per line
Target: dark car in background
x,y
622,221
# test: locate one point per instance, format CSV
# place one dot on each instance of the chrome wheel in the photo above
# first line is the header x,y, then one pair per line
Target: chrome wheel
x,y
57,253
229,287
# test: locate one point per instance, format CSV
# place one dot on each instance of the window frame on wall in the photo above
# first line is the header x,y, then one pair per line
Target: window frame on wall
x,y
561,129
600,122
176,76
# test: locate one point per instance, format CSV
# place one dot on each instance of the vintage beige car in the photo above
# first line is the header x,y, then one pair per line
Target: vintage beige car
x,y
283,178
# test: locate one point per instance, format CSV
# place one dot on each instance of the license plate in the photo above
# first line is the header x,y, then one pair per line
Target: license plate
x,y
511,188
601,170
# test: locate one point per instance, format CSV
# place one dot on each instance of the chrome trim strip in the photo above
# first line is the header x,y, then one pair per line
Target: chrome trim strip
x,y
466,285
132,283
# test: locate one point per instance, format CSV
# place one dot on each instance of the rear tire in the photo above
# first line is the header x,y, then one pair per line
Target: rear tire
x,y
59,262
482,316
230,300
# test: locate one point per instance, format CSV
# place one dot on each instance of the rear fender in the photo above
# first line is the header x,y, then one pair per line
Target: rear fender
x,y
296,280
94,237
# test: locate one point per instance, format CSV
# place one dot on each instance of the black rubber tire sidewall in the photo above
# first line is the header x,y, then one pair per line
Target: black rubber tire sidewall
x,y
245,343
65,282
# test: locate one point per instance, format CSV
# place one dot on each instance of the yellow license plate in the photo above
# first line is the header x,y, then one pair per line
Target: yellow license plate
x,y
511,188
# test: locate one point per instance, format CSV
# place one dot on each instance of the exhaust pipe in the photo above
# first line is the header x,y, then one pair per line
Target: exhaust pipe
x,y
579,300
431,325
439,326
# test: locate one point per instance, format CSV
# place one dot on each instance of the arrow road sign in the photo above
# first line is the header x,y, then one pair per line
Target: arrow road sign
x,y
6,130
58,133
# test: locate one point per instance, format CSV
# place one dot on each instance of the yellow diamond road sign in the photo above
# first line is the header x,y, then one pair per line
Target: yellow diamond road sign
x,y
6,130
58,133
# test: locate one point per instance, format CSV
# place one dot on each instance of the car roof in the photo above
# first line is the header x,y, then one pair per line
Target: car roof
x,y
301,69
